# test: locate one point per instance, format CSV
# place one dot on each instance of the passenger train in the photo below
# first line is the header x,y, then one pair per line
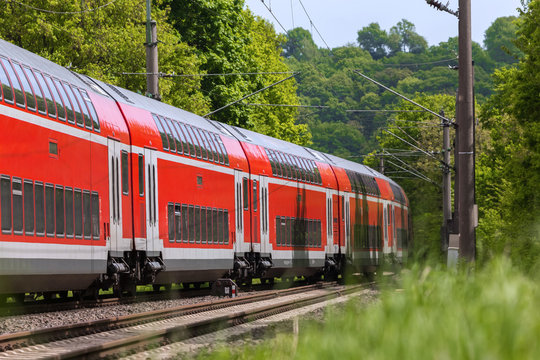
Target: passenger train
x,y
101,187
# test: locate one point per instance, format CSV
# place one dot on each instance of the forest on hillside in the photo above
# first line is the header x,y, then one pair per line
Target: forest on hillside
x,y
334,109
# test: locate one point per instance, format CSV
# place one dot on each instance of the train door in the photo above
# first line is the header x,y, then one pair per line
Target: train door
x,y
329,223
263,196
255,215
152,216
393,246
347,222
115,196
238,206
385,227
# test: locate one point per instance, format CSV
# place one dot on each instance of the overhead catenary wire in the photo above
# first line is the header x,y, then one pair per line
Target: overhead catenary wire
x,y
60,12
424,63
163,75
314,26
274,16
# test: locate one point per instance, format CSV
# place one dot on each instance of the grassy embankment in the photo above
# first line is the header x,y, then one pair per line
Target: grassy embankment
x,y
491,314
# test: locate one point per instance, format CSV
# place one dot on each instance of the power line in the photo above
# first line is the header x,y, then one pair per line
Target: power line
x,y
313,24
163,75
424,63
60,12
274,16
329,107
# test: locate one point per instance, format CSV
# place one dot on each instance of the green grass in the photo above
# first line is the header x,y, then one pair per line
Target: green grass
x,y
491,314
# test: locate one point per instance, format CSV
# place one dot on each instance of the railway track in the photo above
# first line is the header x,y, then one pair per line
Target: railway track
x,y
137,332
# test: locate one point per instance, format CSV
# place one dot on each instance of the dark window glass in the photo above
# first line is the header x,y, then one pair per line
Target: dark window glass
x,y
221,149
278,231
68,196
59,197
40,98
185,146
6,86
245,186
170,217
92,110
226,226
189,139
82,106
28,207
49,209
164,138
221,225
167,128
185,223
197,222
77,203
19,94
215,226
125,171
40,209
5,199
195,141
51,106
203,225
87,219
255,195
74,103
202,142
95,215
30,99
16,189
178,222
207,145
57,98
191,222
68,103
177,136
141,175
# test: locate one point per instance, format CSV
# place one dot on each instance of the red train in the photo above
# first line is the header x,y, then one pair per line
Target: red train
x,y
103,187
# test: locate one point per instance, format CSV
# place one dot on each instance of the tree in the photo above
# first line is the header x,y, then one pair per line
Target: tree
x,y
300,45
233,40
499,40
374,40
409,40
105,43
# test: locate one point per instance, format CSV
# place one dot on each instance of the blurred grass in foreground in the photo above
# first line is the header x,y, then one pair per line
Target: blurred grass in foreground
x,y
491,314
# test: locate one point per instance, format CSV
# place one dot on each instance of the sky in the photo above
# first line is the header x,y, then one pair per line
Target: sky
x,y
338,21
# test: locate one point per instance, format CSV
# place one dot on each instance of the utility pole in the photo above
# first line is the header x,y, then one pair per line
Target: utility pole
x,y
381,164
152,77
465,134
447,174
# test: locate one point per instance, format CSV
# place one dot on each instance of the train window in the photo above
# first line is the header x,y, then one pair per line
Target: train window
x,y
92,110
202,142
203,225
166,123
141,175
278,232
40,209
195,141
40,98
17,87
125,171
95,215
28,207
68,197
59,205
189,140
318,179
170,217
75,105
49,209
77,204
164,138
255,195
5,199
221,225
178,222
197,224
87,220
67,102
7,91
279,165
185,146
16,189
215,236
57,98
214,146
81,105
318,236
29,94
226,226
51,106
245,188
177,137
191,222
208,144
185,223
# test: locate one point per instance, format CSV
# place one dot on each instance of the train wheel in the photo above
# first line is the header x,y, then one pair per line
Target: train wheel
x,y
156,287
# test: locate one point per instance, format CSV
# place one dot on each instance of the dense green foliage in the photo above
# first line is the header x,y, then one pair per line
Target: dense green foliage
x,y
492,314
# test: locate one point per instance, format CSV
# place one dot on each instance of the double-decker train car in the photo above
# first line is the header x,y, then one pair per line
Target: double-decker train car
x,y
101,187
